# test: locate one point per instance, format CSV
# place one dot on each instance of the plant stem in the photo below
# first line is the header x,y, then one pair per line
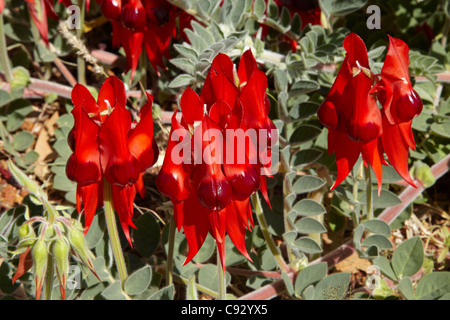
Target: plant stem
x,y
169,271
264,228
369,200
221,279
113,232
4,53
49,278
81,64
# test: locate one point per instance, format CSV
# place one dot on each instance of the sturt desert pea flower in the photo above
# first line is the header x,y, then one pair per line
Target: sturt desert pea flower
x,y
208,185
148,23
109,147
401,103
355,123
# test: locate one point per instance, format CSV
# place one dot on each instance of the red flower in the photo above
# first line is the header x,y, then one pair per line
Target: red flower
x,y
149,23
355,123
211,195
107,145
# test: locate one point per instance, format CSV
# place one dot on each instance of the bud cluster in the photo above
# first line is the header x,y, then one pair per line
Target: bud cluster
x,y
50,239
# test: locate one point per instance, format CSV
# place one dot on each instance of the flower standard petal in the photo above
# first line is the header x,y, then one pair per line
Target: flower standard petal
x,y
141,138
119,165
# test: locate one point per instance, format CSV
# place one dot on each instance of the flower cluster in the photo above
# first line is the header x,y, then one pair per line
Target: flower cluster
x,y
109,148
211,195
356,125
149,23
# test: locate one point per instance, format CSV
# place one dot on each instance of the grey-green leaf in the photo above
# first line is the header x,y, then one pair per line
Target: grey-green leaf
x,y
138,281
408,258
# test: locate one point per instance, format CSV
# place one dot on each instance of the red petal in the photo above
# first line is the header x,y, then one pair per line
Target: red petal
x,y
191,106
83,165
236,226
131,41
141,139
195,224
173,179
39,17
119,165
346,151
123,200
218,224
92,197
373,155
396,149
112,92
25,264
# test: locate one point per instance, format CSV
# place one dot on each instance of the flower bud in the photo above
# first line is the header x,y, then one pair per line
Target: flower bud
x,y
61,255
40,260
27,237
78,243
111,8
133,16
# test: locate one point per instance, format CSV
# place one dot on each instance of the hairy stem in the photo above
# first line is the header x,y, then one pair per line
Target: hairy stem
x,y
113,232
264,228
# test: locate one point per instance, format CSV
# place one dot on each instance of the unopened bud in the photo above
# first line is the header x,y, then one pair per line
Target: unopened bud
x,y
61,255
27,237
40,258
78,243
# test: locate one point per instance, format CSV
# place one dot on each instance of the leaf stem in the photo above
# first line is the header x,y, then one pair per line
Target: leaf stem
x,y
113,232
4,53
221,279
369,200
264,228
81,64
169,271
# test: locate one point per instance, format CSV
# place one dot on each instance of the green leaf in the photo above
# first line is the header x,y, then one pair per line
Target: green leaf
x,y
5,97
288,283
114,292
304,157
433,286
206,251
22,140
307,245
406,289
259,7
147,235
166,293
307,184
309,276
309,225
380,241
333,287
184,64
303,134
385,267
343,7
207,277
378,227
408,258
308,207
385,200
181,80
302,87
138,281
